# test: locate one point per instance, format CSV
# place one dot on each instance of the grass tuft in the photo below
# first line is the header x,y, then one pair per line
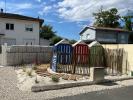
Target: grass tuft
x,y
55,78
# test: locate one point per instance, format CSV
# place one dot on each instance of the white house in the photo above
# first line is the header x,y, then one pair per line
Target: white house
x,y
105,35
19,30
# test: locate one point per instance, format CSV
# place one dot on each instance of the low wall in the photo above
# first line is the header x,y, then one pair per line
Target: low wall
x,y
128,55
15,55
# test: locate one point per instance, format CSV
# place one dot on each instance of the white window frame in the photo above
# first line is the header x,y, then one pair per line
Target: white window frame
x,y
10,26
29,28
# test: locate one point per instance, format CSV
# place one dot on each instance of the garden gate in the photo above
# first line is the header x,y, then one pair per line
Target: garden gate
x,y
62,58
97,57
81,58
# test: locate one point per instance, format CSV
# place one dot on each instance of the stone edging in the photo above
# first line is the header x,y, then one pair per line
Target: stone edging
x,y
38,87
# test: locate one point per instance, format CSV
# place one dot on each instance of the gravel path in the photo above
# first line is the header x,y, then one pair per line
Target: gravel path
x,y
9,91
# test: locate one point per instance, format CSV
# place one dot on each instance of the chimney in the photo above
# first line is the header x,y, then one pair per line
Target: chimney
x,y
1,10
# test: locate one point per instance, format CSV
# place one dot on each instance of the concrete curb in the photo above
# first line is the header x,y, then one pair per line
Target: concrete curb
x,y
41,87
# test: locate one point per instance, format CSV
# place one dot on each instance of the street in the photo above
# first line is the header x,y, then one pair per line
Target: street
x,y
125,93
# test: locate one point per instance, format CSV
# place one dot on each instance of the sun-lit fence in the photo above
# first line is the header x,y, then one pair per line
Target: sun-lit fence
x,y
68,59
116,61
75,59
20,54
78,59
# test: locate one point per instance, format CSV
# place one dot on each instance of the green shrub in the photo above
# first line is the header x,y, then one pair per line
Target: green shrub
x,y
55,39
72,41
55,78
47,32
34,68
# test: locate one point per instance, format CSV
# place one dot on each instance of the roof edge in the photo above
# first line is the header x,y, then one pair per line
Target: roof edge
x,y
20,17
103,28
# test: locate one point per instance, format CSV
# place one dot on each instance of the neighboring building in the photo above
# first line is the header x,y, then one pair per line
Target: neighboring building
x,y
44,42
19,30
132,25
104,35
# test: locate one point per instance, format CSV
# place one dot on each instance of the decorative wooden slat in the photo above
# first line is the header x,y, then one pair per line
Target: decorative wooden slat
x,y
114,61
81,59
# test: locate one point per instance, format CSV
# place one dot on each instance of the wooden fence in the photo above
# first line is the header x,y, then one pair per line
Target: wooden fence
x,y
20,54
63,58
97,56
114,61
81,58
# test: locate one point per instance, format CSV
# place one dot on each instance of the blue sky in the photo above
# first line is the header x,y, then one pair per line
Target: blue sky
x,y
67,17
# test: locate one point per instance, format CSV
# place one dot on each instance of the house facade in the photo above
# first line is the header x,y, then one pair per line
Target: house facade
x,y
19,30
104,35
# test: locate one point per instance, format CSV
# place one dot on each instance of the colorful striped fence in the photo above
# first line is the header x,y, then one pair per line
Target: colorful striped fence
x,y
78,59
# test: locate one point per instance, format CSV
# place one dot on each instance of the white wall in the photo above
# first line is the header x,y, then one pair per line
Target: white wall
x,y
19,32
44,42
91,35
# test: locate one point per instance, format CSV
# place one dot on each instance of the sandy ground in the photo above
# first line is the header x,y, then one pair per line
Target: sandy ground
x,y
10,91
25,82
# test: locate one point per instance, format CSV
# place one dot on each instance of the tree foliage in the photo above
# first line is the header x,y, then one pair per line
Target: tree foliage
x,y
55,39
128,23
107,18
47,32
128,26
72,41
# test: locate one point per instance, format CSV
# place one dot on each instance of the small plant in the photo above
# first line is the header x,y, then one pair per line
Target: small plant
x,y
24,68
55,78
34,68
29,72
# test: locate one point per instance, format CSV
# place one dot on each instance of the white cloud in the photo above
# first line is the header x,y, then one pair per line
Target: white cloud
x,y
45,10
15,7
82,10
